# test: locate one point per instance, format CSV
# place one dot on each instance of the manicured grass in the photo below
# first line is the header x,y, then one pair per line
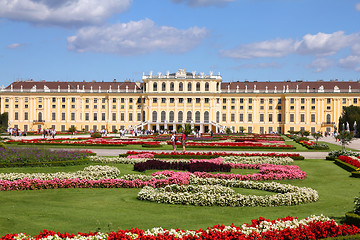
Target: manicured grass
x,y
83,210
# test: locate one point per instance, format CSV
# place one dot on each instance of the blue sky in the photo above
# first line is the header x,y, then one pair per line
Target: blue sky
x,y
263,40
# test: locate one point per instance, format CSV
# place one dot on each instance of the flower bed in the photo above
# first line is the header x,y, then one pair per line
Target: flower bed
x,y
256,145
192,166
294,156
90,172
352,160
314,227
84,142
217,192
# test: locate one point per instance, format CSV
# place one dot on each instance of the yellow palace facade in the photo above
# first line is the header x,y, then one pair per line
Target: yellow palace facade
x,y
168,101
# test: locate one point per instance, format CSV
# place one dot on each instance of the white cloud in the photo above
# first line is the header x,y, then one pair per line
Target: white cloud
x,y
272,48
320,44
350,62
257,65
355,49
63,12
357,7
321,64
202,3
14,45
323,44
135,38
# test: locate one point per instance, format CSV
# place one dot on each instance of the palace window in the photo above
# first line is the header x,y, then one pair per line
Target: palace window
x,y
172,86
198,87
163,87
206,116
189,87
206,87
180,116
181,87
155,87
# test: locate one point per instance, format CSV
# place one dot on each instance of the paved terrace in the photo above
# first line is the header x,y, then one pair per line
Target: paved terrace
x,y
355,144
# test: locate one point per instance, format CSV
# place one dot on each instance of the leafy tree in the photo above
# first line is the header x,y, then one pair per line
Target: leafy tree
x,y
349,115
115,131
72,129
187,129
228,130
345,138
304,133
317,136
242,129
4,121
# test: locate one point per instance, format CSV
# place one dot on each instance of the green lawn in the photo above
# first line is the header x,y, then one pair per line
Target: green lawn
x,y
74,210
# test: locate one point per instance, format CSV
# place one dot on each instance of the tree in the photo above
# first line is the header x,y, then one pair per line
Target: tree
x,y
349,115
317,136
4,121
345,138
187,129
304,133
72,129
228,130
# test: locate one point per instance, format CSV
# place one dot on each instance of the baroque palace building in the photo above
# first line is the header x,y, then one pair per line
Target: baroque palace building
x,y
168,101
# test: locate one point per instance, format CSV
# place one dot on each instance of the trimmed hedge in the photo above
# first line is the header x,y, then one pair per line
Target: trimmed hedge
x,y
346,166
46,164
352,218
185,166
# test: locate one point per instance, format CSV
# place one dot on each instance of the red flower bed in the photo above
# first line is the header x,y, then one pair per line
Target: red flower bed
x,y
315,229
235,144
354,161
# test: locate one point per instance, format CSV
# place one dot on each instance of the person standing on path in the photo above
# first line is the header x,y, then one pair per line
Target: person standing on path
x,y
174,140
183,138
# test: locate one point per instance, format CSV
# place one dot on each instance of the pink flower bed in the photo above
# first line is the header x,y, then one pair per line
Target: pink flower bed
x,y
216,154
267,172
179,178
141,155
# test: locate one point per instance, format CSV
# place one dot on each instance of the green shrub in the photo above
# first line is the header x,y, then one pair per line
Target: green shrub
x,y
2,145
357,206
352,218
96,135
320,146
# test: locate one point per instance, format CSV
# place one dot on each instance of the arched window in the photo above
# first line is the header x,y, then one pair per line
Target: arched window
x,y
206,87
198,87
197,116
188,116
180,116
189,87
154,116
328,118
172,86
206,116
40,116
217,87
155,87
171,116
163,87
217,116
181,87
163,116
